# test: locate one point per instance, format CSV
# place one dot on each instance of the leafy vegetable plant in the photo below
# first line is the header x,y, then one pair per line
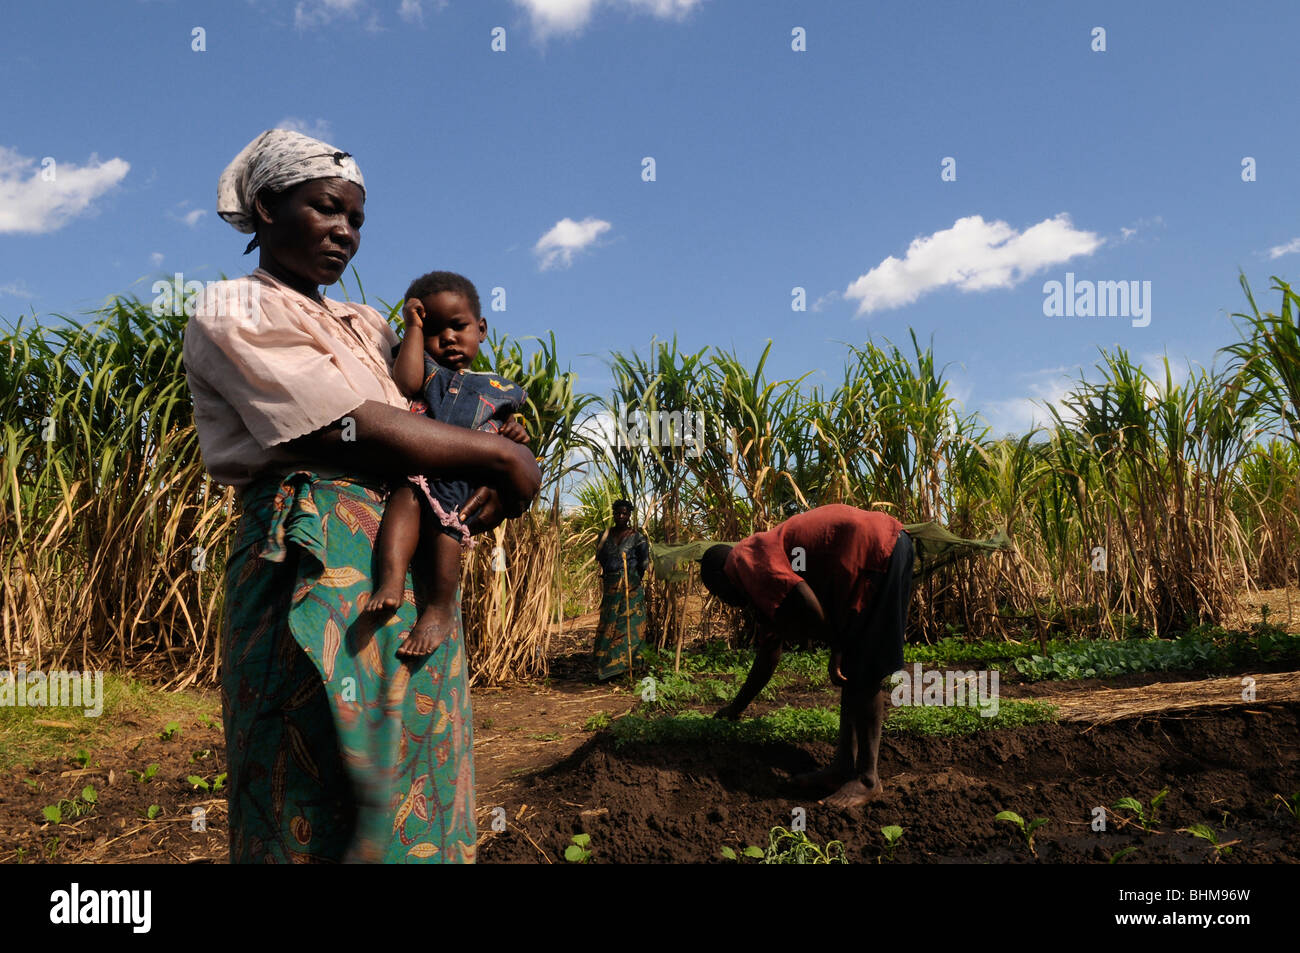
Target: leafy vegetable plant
x,y
1207,833
795,847
1147,823
577,852
892,834
1026,830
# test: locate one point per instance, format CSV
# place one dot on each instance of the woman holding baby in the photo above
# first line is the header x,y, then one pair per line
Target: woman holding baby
x,y
340,747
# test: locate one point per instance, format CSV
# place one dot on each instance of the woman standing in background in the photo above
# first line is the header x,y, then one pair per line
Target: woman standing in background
x,y
623,554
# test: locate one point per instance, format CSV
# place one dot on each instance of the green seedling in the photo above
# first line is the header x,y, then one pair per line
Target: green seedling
x,y
35,785
597,722
1292,804
21,854
1026,830
205,721
198,783
1145,821
548,736
172,729
795,847
146,775
751,851
71,807
892,834
577,852
200,755
219,782
1206,832
52,847
1120,854
153,811
82,757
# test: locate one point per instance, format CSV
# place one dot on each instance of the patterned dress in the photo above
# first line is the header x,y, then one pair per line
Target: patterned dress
x,y
338,749
622,606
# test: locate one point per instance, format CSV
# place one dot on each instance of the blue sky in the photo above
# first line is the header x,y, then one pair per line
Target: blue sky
x,y
774,168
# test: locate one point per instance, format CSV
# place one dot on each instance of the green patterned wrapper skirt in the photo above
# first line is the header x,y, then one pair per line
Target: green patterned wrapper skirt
x,y
338,750
622,624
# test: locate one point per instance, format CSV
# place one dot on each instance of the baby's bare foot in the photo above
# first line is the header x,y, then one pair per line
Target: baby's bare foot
x,y
431,629
386,598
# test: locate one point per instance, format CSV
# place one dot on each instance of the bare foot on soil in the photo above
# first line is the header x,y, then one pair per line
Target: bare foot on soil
x,y
853,794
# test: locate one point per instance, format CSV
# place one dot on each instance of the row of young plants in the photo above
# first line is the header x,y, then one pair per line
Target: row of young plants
x,y
791,725
1205,650
715,671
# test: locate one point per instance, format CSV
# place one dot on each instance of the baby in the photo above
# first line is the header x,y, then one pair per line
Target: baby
x,y
444,328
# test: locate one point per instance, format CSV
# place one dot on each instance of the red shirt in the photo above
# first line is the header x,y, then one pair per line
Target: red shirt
x,y
832,548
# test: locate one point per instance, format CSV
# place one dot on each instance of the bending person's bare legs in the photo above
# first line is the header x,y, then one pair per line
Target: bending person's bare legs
x,y
865,714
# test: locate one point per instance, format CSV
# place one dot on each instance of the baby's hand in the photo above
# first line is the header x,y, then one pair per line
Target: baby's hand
x,y
512,429
413,314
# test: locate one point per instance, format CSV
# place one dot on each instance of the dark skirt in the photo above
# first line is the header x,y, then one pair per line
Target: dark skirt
x,y
873,645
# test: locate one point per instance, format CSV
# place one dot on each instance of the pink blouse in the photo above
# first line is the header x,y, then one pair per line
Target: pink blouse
x,y
267,364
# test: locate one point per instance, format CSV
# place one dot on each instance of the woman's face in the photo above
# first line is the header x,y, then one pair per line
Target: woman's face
x,y
314,230
622,517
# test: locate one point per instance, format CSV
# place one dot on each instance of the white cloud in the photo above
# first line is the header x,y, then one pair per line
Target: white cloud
x,y
311,13
16,289
973,255
1146,224
156,259
566,239
191,217
1277,251
1050,385
551,17
1019,415
827,299
30,203
320,129
412,11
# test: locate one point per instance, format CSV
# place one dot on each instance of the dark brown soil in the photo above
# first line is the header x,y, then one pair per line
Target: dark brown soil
x,y
188,826
681,804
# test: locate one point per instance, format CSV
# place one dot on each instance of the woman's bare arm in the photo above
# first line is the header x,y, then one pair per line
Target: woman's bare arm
x,y
379,438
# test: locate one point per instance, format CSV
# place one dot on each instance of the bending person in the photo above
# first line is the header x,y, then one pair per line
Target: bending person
x,y
844,576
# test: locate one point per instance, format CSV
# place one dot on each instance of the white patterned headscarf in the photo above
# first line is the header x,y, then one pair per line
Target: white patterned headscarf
x,y
277,159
